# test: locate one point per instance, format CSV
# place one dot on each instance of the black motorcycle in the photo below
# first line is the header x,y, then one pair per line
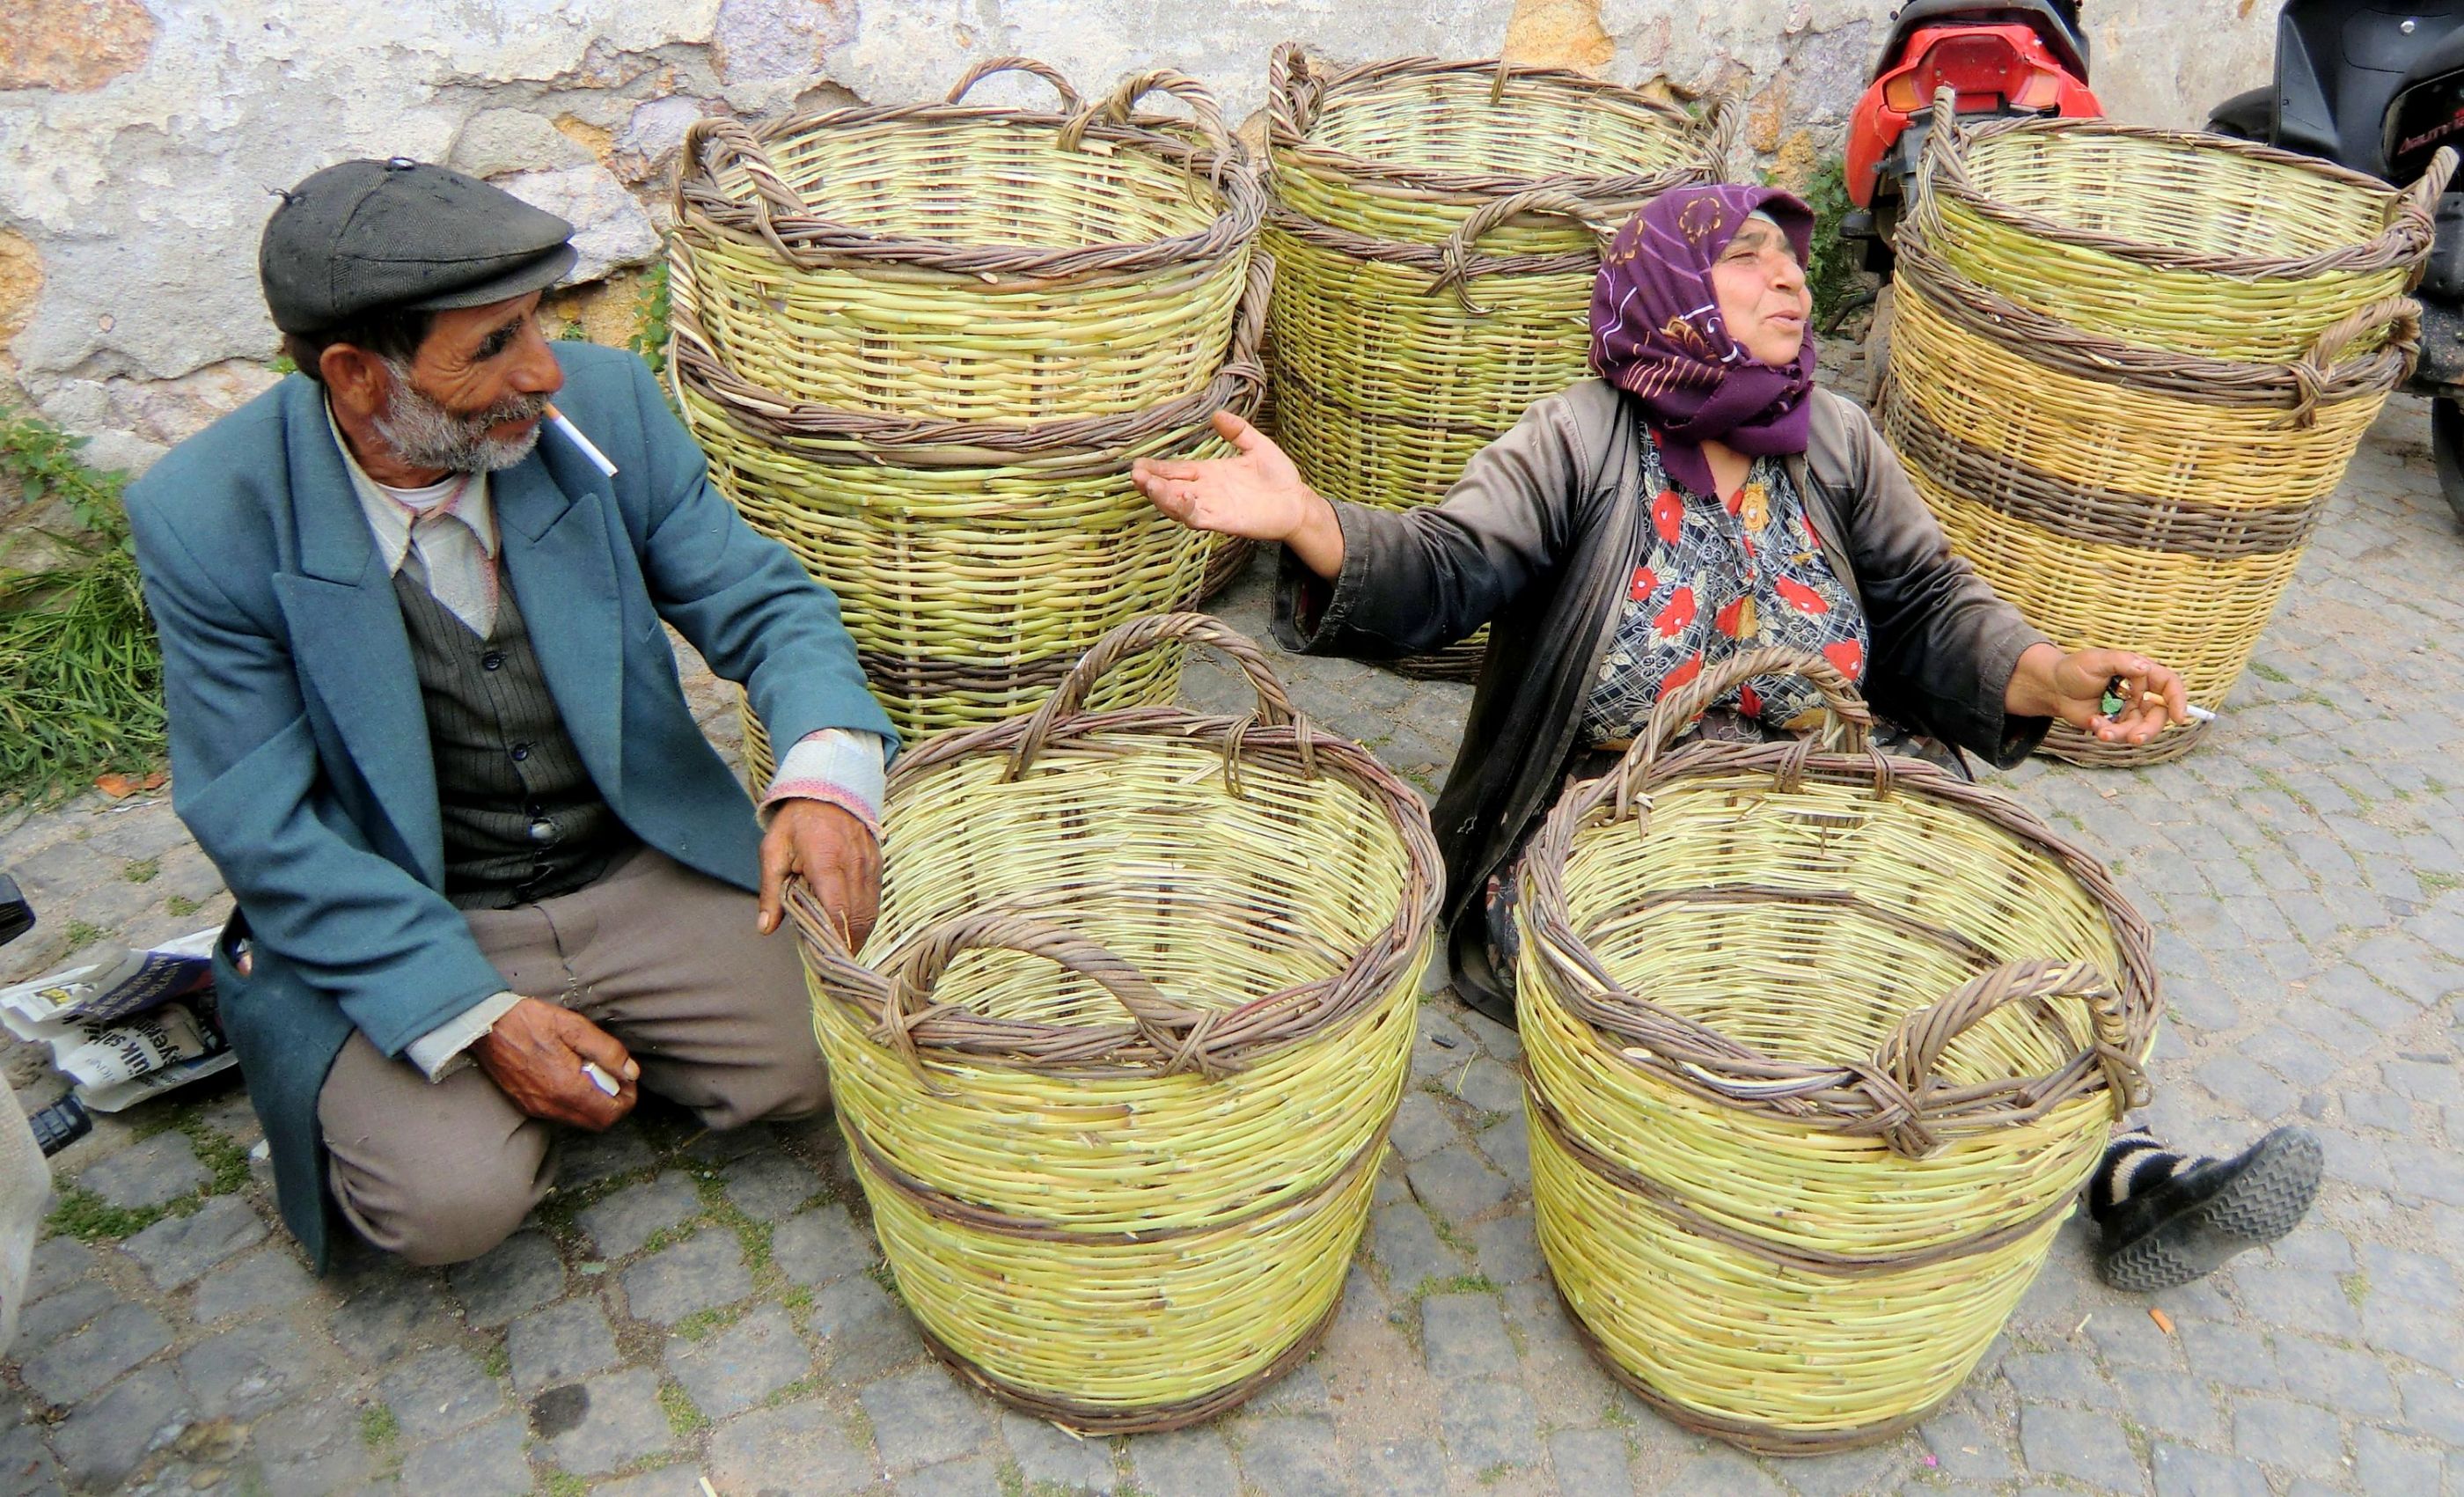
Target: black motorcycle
x,y
2378,87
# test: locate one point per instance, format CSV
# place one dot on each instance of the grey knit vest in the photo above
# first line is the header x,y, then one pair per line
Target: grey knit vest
x,y
522,820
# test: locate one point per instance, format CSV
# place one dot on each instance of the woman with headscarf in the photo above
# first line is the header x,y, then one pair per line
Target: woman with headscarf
x,y
1702,496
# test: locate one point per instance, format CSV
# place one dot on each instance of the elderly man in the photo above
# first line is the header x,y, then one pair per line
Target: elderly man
x,y
490,876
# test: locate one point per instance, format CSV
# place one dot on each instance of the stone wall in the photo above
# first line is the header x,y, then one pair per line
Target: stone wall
x,y
139,138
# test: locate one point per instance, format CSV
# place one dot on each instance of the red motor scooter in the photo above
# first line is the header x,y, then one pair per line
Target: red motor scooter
x,y
2001,58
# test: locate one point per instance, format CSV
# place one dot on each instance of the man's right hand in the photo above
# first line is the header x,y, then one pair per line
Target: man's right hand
x,y
534,1054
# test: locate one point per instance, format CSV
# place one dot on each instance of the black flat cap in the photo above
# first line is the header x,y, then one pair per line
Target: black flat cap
x,y
369,235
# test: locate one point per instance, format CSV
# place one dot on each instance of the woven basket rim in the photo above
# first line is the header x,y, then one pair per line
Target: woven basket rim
x,y
871,437
2406,234
1730,1074
802,237
1299,91
1222,1040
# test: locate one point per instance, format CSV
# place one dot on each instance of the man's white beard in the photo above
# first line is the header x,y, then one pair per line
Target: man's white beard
x,y
424,434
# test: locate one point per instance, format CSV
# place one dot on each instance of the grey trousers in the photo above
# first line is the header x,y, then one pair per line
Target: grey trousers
x,y
660,956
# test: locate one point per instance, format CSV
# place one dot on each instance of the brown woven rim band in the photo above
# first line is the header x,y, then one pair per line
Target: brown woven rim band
x,y
2407,234
1762,1439
778,217
1674,1206
1001,1223
1092,1420
1300,87
2096,515
871,438
2328,374
2072,747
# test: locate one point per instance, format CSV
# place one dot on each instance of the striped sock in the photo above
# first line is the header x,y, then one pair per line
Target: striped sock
x,y
2133,1161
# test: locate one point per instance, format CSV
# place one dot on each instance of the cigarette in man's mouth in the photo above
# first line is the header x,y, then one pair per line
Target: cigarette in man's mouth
x,y
573,434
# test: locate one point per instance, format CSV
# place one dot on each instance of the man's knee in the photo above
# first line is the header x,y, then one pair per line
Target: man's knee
x,y
441,1211
791,1084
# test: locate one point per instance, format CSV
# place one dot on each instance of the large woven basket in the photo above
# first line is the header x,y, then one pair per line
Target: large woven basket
x,y
972,262
2117,496
1821,1046
2193,244
974,561
1436,227
1116,1066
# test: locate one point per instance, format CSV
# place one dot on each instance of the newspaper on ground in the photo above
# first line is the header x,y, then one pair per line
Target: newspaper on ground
x,y
127,1030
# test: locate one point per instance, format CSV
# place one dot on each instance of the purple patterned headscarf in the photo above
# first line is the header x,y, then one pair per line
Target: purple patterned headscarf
x,y
1657,332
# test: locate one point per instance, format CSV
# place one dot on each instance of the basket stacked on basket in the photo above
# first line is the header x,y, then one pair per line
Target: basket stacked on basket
x,y
1436,228
923,344
2128,367
1114,1081
1821,1046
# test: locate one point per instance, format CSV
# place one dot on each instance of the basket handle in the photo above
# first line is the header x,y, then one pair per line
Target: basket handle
x,y
1458,253
2420,200
1295,90
713,140
1275,707
1179,1032
2399,317
1724,130
1908,1055
1677,711
1115,109
1070,102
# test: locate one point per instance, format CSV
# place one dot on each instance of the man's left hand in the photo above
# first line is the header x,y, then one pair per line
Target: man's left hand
x,y
838,858
2072,686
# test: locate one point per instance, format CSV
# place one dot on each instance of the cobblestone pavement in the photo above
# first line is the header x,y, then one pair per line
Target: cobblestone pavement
x,y
705,1307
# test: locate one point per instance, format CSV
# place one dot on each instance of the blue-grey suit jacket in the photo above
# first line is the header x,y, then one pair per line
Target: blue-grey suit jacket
x,y
300,750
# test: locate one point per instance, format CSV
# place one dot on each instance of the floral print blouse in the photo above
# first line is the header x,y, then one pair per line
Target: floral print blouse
x,y
1718,577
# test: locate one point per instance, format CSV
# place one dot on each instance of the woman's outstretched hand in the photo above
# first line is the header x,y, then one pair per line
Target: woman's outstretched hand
x,y
2072,686
1256,495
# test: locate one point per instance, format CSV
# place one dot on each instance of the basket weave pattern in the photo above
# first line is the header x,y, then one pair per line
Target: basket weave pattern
x,y
968,261
1115,1082
963,486
1436,228
1821,1046
2133,438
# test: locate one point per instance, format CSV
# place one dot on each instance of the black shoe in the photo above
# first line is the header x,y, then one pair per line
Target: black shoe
x,y
2185,1226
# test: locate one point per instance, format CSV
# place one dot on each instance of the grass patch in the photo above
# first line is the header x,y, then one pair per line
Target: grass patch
x,y
88,1218
144,871
564,1484
180,907
2437,882
82,933
1459,1284
2268,672
2356,1287
80,680
226,1159
683,1417
496,1361
378,1427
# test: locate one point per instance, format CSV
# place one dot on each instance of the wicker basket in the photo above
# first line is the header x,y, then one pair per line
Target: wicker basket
x,y
969,262
2116,495
974,561
1114,1081
1437,227
2193,244
1792,1195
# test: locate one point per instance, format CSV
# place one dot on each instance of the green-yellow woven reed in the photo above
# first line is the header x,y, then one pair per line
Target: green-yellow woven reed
x,y
972,263
973,563
1796,1276
2190,243
2116,495
1389,377
1086,1229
